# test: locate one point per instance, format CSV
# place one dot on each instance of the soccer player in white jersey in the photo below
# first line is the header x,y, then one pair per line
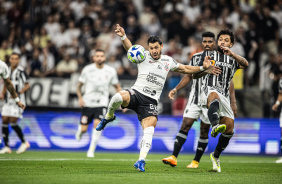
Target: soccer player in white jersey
x,y
144,95
215,92
97,78
275,108
194,110
13,109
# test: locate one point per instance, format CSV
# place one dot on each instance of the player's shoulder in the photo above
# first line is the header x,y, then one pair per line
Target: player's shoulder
x,y
109,68
167,58
3,64
89,67
20,68
198,54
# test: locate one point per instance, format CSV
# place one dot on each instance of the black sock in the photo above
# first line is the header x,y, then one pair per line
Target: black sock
x,y
213,112
223,142
5,133
18,130
179,141
202,144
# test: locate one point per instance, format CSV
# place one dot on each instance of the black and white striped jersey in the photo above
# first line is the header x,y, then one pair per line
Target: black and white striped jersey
x,y
195,92
19,78
228,67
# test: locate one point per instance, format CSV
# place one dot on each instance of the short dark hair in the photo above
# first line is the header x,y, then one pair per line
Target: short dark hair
x,y
208,34
227,32
154,39
99,50
15,53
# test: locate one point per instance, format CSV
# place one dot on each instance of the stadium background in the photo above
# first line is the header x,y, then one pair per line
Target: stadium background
x,y
56,40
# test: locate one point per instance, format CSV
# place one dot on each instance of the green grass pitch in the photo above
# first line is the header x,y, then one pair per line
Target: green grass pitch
x,y
42,167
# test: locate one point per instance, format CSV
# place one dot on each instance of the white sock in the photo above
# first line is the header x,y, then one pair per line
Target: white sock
x,y
94,139
114,104
146,142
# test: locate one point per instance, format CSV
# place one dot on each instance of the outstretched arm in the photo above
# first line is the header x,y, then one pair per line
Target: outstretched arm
x,y
121,33
242,61
184,81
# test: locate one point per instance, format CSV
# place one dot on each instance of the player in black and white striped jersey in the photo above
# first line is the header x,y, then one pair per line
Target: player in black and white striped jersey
x,y
194,110
215,92
11,111
275,108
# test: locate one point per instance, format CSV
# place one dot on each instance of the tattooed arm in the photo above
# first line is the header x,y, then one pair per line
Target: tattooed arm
x,y
242,61
10,87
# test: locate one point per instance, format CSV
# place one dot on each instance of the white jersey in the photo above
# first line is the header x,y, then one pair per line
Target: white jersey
x,y
4,71
97,82
152,75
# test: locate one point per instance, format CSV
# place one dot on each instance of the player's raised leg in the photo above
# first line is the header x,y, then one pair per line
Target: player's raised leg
x,y
148,125
180,139
213,105
120,98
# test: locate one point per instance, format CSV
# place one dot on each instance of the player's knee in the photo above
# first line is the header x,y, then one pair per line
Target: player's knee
x,y
204,134
186,124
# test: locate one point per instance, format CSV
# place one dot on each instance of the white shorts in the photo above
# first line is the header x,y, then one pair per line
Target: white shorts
x,y
194,111
12,110
224,105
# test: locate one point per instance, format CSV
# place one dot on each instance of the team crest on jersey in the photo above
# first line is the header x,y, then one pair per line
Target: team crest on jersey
x,y
84,120
166,66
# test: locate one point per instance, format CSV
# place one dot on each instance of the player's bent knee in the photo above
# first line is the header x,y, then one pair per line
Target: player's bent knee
x,y
187,124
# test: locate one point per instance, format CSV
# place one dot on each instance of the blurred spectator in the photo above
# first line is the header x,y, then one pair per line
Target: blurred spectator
x,y
4,24
47,62
5,51
62,37
41,39
66,67
51,26
27,24
116,64
77,7
87,19
192,11
35,64
133,28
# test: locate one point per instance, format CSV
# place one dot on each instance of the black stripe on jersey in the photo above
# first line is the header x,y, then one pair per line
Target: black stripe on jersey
x,y
280,85
228,68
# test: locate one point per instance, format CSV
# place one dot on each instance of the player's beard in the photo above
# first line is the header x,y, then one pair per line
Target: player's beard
x,y
219,50
159,56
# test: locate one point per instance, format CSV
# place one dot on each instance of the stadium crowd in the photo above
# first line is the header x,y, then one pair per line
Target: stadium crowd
x,y
58,37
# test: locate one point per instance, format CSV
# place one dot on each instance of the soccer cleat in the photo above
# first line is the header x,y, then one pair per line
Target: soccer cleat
x,y
218,129
193,164
172,161
24,146
103,123
279,160
215,163
78,135
140,165
90,154
5,150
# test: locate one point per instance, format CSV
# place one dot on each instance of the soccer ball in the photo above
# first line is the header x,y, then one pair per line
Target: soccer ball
x,y
136,54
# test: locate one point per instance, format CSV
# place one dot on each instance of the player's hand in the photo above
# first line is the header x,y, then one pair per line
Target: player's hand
x,y
22,106
119,31
234,108
275,107
213,70
172,93
227,51
207,62
81,102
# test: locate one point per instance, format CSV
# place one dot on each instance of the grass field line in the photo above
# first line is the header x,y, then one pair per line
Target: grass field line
x,y
123,160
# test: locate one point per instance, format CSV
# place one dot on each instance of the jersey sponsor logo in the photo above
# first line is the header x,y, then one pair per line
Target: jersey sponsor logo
x,y
151,61
164,59
153,79
223,64
149,91
84,120
212,62
175,62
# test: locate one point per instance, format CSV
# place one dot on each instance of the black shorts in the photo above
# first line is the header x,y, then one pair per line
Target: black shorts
x,y
90,113
144,106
